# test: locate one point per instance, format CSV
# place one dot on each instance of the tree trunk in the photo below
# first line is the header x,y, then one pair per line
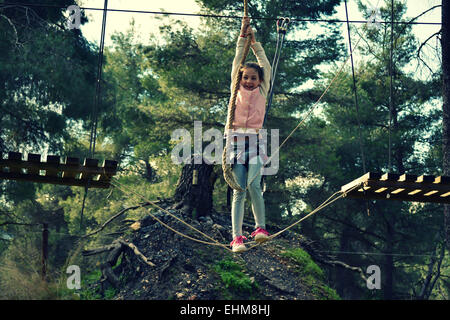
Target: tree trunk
x,y
149,172
446,105
433,273
194,189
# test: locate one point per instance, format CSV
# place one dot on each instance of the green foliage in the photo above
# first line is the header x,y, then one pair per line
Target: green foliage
x,y
306,265
47,79
311,274
88,289
234,277
331,152
36,97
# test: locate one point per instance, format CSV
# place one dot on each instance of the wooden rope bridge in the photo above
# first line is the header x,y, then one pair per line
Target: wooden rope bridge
x,y
66,171
402,187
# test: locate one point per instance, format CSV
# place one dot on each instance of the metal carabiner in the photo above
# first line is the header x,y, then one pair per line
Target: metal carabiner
x,y
286,22
282,24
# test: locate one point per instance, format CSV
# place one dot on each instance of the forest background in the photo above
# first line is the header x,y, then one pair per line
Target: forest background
x,y
180,75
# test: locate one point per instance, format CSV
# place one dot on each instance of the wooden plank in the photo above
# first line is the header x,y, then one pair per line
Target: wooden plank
x,y
34,159
408,178
442,180
405,187
52,180
14,168
15,156
426,179
53,166
426,183
110,169
398,197
15,162
53,170
390,177
87,174
71,168
368,176
384,190
409,187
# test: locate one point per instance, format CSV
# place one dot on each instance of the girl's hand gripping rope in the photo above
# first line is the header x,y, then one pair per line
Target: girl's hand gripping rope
x,y
251,34
244,27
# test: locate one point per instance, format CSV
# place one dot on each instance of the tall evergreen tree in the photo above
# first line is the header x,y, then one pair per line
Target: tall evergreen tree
x,y
47,80
389,227
445,41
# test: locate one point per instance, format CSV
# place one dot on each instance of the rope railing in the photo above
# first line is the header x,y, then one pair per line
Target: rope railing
x,y
252,244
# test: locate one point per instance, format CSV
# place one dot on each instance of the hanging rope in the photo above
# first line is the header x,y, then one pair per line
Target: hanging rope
x,y
281,31
391,88
93,135
226,166
281,34
129,191
355,91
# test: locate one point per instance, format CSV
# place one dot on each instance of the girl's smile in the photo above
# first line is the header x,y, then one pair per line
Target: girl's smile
x,y
250,79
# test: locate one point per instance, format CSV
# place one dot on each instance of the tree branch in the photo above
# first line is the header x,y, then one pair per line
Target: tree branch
x,y
346,266
13,27
137,252
18,224
421,47
415,18
121,212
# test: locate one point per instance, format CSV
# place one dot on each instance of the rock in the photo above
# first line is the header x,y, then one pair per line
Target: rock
x,y
136,226
218,227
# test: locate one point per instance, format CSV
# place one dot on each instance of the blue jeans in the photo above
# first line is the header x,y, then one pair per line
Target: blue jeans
x,y
243,177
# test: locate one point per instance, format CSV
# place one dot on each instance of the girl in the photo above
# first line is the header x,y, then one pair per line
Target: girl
x,y
248,119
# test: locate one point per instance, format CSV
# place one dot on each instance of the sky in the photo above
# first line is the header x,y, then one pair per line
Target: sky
x,y
145,23
149,23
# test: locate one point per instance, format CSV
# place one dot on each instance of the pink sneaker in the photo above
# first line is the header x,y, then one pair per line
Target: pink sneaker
x,y
260,235
238,245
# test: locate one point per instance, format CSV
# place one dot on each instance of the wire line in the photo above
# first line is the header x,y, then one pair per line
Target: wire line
x,y
205,15
355,91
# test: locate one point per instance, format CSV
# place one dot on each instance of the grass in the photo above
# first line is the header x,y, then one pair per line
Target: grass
x,y
88,292
303,260
235,279
312,275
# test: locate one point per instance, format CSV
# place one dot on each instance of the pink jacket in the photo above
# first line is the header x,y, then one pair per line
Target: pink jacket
x,y
251,105
250,109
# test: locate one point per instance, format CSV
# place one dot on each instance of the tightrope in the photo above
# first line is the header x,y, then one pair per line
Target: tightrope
x,y
336,196
126,190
